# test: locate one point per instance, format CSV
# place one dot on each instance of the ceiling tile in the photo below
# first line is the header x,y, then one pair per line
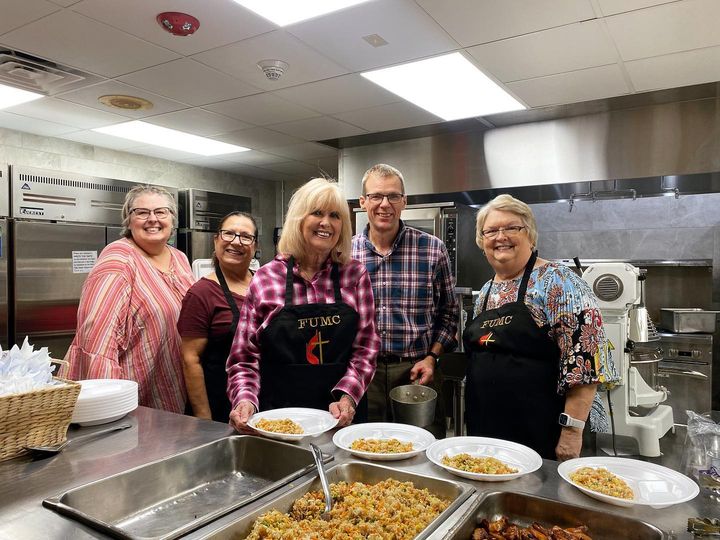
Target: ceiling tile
x,y
571,47
673,70
304,151
89,97
80,42
33,125
189,81
198,121
258,138
100,139
221,21
64,112
665,29
387,117
613,7
65,3
318,129
16,13
339,94
262,109
253,157
240,60
399,22
471,22
583,85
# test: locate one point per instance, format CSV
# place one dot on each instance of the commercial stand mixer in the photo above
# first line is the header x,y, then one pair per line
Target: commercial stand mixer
x,y
634,405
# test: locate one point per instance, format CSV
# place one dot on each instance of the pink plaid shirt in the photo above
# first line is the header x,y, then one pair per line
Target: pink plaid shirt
x,y
266,297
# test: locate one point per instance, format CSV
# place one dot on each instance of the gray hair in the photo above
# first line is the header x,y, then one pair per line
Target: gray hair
x,y
138,191
507,203
383,170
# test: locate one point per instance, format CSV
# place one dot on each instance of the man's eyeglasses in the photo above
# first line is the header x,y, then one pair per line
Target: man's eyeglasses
x,y
229,236
377,198
513,230
144,213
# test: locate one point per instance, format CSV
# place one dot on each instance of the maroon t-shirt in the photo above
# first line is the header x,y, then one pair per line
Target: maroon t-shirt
x,y
205,311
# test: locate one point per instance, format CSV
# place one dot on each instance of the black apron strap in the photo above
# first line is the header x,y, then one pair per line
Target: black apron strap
x,y
230,300
335,276
289,282
526,276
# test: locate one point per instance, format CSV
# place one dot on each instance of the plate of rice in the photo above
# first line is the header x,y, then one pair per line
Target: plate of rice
x,y
483,458
292,423
383,441
628,482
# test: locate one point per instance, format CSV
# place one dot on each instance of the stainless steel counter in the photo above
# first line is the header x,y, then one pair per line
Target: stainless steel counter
x,y
156,434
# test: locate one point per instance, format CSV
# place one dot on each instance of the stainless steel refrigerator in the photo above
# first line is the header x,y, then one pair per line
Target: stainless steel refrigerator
x,y
4,256
200,215
60,224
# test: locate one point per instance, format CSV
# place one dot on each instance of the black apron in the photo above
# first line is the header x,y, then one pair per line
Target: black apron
x,y
215,357
512,375
305,351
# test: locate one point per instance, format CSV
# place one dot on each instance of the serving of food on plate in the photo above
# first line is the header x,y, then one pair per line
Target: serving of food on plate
x,y
383,441
603,481
282,425
481,465
381,446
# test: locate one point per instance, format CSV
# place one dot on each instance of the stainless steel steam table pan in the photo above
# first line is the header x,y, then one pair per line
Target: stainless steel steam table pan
x,y
523,510
353,471
173,496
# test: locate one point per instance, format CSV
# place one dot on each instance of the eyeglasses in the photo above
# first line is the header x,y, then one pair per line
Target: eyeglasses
x,y
229,236
377,198
144,213
513,230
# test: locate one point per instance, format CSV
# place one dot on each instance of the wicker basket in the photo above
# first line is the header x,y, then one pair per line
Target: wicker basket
x,y
37,418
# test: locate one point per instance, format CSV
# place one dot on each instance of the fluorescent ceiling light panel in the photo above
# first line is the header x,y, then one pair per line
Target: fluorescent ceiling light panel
x,y
10,96
284,12
448,86
169,138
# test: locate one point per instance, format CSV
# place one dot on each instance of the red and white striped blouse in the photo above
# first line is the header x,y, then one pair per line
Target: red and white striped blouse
x,y
127,321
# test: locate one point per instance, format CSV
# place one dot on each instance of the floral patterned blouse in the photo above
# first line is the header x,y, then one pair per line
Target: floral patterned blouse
x,y
558,297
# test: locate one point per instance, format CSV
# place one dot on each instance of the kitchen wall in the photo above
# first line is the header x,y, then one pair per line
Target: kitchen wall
x,y
18,148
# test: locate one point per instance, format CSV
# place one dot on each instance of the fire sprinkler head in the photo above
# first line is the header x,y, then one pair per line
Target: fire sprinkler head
x,y
273,69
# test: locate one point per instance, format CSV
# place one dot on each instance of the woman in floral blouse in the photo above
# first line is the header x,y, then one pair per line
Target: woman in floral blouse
x,y
536,344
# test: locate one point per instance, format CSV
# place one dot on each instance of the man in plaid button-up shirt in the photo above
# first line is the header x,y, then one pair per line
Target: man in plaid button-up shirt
x,y
415,306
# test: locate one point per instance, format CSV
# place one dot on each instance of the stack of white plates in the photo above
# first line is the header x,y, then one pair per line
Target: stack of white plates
x,y
104,400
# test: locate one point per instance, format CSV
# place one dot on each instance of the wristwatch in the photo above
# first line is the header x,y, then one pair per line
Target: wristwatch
x,y
435,356
566,420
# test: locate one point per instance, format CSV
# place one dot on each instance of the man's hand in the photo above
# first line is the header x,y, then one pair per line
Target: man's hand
x,y
423,370
344,410
569,444
240,415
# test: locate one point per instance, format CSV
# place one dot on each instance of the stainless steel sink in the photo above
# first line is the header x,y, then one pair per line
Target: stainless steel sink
x,y
170,497
525,509
353,471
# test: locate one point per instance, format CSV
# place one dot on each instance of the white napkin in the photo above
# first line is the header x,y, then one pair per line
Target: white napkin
x,y
24,369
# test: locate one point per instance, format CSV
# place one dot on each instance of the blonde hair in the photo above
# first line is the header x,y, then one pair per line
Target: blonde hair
x,y
384,171
318,194
138,191
507,203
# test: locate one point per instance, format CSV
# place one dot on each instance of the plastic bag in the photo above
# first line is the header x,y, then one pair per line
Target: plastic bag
x,y
701,454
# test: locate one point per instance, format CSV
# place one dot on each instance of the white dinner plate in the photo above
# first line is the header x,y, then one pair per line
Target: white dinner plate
x,y
313,421
518,456
653,485
105,390
420,438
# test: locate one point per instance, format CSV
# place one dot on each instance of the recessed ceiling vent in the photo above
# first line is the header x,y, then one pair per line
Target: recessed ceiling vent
x,y
37,75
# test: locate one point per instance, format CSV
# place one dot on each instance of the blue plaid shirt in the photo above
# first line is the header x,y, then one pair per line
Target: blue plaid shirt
x,y
414,291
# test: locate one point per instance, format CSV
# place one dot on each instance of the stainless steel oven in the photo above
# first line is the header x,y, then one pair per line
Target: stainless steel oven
x,y
686,371
454,224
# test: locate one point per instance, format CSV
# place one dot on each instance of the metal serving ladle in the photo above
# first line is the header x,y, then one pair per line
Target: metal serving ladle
x,y
40,452
317,455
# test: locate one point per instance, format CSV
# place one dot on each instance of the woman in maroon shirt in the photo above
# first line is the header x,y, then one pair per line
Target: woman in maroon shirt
x,y
209,316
